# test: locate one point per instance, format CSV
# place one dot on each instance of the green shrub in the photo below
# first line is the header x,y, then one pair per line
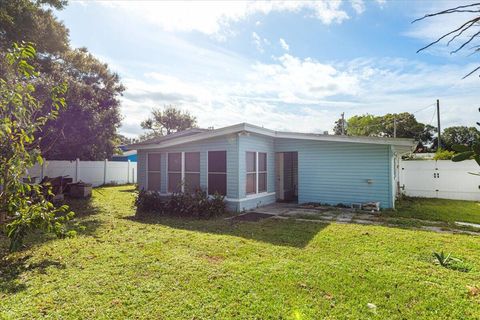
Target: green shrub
x,y
181,204
443,155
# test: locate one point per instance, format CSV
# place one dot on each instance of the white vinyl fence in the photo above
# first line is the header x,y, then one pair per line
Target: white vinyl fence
x,y
94,172
440,179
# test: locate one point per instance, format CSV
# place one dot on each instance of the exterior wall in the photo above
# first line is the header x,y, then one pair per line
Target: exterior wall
x,y
328,172
256,143
236,147
227,143
333,173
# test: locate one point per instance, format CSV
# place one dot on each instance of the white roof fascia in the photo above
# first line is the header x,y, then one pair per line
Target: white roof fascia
x,y
246,127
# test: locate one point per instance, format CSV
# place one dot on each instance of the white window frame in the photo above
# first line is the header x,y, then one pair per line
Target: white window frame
x,y
182,172
225,173
257,172
148,171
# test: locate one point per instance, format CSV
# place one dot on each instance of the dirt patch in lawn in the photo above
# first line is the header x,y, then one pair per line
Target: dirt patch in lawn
x,y
252,216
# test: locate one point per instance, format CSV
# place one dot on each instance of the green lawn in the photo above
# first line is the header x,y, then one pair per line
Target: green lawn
x,y
189,269
438,210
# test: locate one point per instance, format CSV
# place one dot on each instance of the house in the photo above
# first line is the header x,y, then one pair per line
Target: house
x,y
125,156
253,166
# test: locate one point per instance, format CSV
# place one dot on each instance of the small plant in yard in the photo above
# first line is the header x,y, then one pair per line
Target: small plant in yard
x,y
449,262
197,204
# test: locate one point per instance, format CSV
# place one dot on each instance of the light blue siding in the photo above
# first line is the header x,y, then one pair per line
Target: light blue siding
x,y
331,172
141,169
328,172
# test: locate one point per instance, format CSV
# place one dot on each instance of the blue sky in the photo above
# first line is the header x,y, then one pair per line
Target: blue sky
x,y
284,65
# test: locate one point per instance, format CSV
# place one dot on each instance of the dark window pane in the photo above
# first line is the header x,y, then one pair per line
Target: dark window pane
x,y
251,165
217,161
154,162
217,183
192,161
251,183
262,161
174,182
262,182
154,181
192,181
175,161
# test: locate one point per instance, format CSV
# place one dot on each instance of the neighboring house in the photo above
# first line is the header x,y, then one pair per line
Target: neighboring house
x,y
125,156
253,166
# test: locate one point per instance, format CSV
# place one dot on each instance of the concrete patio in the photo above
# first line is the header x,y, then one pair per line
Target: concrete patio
x,y
326,214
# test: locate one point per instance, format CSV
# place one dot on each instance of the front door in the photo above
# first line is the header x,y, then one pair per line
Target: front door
x,y
286,164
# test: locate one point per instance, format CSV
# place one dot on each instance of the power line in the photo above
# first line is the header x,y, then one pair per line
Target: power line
x,y
424,108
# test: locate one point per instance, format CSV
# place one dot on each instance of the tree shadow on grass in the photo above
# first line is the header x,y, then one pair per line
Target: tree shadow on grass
x,y
281,232
12,269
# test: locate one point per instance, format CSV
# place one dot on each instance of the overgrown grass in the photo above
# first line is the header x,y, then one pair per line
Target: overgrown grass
x,y
169,268
437,210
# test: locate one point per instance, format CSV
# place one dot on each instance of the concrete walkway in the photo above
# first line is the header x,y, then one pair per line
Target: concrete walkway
x,y
327,214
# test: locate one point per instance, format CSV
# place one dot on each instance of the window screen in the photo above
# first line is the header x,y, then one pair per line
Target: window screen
x,y
153,173
262,172
217,172
251,180
174,172
192,171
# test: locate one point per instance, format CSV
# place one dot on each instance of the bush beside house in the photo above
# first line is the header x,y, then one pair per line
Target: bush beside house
x,y
182,204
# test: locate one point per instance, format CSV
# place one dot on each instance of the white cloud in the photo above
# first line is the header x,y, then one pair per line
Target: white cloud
x,y
259,42
358,6
215,18
307,95
284,44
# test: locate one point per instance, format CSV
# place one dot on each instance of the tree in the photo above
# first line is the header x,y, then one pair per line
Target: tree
x,y
86,128
466,34
337,129
384,126
24,207
466,136
467,152
167,121
364,125
26,20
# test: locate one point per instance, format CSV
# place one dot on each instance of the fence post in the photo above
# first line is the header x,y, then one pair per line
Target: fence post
x,y
133,175
105,164
128,171
77,168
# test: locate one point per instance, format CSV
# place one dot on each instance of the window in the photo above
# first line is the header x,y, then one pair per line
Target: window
x,y
262,172
217,172
192,171
256,168
175,172
153,171
251,160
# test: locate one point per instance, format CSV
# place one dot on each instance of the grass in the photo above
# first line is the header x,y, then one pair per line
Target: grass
x,y
437,210
169,268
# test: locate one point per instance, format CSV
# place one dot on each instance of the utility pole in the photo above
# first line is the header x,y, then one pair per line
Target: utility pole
x,y
439,145
343,123
394,126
